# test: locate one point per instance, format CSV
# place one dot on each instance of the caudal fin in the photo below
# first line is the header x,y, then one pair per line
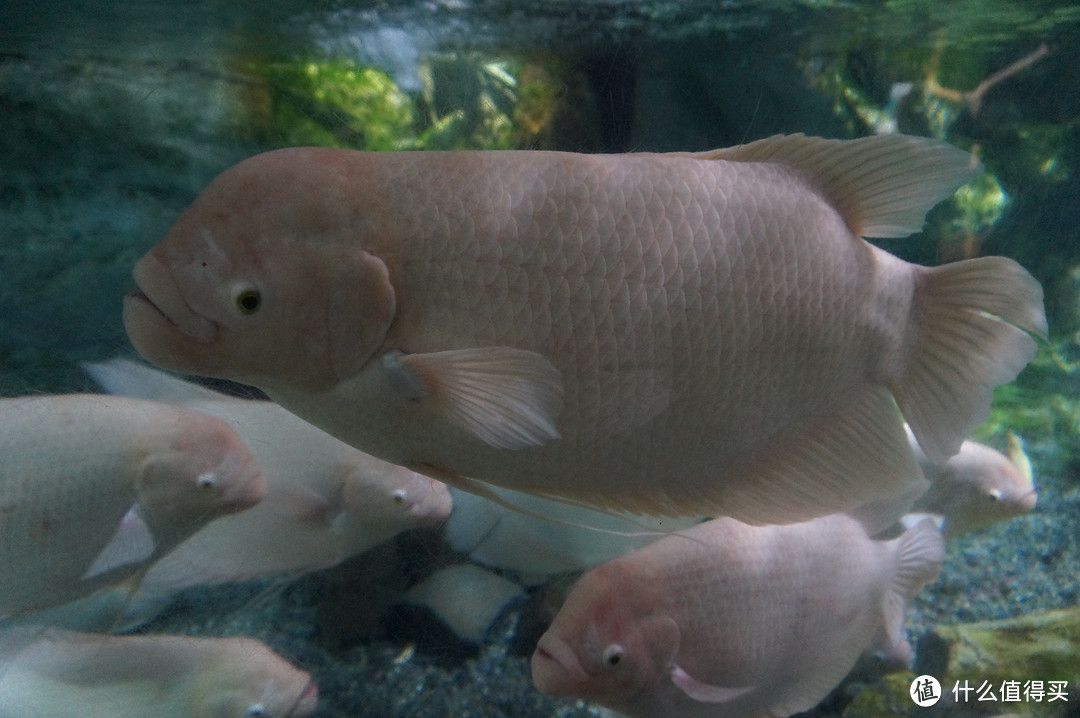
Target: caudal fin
x,y
974,323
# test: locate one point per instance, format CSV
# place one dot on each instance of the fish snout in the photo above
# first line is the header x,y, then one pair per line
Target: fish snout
x,y
556,671
1027,501
305,701
240,480
428,500
159,301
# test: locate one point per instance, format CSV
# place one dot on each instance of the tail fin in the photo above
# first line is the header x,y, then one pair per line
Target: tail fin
x,y
922,552
974,324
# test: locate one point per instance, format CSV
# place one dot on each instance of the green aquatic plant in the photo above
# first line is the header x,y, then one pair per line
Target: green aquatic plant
x,y
469,103
1042,406
336,103
466,101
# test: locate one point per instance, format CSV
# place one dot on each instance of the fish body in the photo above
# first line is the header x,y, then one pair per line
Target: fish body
x,y
977,487
552,538
72,675
573,325
726,619
94,488
325,501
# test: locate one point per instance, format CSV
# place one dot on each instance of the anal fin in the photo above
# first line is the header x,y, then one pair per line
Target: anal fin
x,y
854,457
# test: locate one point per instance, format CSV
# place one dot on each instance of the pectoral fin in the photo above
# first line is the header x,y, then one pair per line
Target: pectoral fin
x,y
508,398
131,545
703,692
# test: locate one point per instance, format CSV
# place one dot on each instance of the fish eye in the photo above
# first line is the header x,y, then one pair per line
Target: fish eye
x,y
206,481
613,655
256,710
399,496
247,299
994,495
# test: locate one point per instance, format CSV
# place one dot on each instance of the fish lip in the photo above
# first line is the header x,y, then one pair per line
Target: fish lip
x,y
249,489
569,671
157,292
306,701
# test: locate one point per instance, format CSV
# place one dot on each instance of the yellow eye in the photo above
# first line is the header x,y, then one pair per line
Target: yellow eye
x,y
613,655
247,300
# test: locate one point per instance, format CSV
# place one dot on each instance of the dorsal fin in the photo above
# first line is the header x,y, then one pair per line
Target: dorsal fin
x,y
882,185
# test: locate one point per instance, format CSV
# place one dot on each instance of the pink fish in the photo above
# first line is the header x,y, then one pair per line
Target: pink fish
x,y
95,488
325,501
727,620
73,675
673,334
977,487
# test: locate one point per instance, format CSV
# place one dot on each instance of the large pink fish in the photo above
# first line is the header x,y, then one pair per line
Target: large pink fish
x,y
683,334
726,620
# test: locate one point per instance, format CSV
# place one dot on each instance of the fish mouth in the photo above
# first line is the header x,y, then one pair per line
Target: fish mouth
x,y
1027,501
305,702
158,297
249,482
555,669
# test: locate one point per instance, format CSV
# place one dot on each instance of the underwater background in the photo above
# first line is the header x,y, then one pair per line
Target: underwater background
x,y
113,116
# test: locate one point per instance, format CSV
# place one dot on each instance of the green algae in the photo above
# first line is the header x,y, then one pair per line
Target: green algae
x,y
467,101
335,103
1039,646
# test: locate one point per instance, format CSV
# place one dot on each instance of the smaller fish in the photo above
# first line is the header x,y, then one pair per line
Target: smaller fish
x,y
325,501
574,538
93,489
727,620
75,675
977,487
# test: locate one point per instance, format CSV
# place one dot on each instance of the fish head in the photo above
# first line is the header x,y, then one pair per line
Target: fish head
x,y
262,280
199,471
604,645
380,494
983,486
251,681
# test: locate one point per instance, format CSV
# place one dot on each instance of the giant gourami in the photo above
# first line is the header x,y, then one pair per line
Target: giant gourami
x,y
694,334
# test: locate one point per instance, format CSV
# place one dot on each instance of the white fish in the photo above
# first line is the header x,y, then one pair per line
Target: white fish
x,y
570,538
977,487
72,675
727,620
671,334
465,597
94,488
325,500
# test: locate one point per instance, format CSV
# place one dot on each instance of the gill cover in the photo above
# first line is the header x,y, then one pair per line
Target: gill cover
x,y
360,307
